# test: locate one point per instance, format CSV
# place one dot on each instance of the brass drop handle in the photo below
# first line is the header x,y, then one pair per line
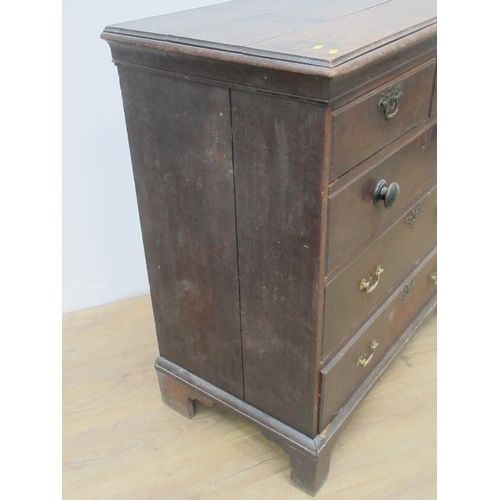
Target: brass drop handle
x,y
433,278
364,361
390,101
386,194
365,286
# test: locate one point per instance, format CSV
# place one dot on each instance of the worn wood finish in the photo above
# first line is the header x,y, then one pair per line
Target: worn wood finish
x,y
356,34
364,123
119,441
289,30
180,142
243,26
202,391
228,70
256,141
308,472
279,249
389,150
178,397
338,85
395,250
340,420
366,72
352,215
309,458
434,97
342,375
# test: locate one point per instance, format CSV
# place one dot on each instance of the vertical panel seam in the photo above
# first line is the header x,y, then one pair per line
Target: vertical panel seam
x,y
329,124
237,246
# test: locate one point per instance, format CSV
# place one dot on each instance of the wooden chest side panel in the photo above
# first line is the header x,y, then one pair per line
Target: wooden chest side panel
x,y
278,160
180,141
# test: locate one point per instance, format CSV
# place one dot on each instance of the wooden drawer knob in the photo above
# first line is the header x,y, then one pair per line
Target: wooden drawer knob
x,y
386,194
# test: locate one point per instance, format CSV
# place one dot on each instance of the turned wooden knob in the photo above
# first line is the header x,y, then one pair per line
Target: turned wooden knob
x,y
386,194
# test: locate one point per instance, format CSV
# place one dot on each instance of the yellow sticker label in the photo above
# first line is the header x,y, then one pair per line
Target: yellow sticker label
x,y
317,47
333,51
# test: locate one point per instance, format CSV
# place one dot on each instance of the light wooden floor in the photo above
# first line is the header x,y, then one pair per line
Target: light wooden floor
x,y
121,442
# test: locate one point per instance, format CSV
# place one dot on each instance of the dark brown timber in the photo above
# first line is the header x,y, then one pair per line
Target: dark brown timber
x,y
353,217
395,251
363,122
180,142
278,160
342,375
284,156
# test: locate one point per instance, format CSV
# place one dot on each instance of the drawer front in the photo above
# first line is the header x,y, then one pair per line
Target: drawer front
x,y
352,215
350,367
395,251
365,126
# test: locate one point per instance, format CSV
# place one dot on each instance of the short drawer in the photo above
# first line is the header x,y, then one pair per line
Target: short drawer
x,y
352,214
351,366
346,302
366,125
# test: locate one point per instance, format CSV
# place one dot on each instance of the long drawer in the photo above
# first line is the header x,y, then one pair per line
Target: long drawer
x,y
350,367
352,215
359,286
379,117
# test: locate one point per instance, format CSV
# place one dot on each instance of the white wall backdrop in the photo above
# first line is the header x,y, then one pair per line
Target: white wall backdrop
x,y
103,256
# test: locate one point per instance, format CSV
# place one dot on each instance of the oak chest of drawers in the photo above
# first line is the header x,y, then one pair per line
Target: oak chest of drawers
x,y
284,157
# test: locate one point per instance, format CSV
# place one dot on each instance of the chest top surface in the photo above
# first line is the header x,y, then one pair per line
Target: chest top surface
x,y
324,33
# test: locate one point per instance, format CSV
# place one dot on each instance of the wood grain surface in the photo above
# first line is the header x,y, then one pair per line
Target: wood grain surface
x,y
396,250
279,166
322,33
363,122
120,441
352,215
180,145
342,375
